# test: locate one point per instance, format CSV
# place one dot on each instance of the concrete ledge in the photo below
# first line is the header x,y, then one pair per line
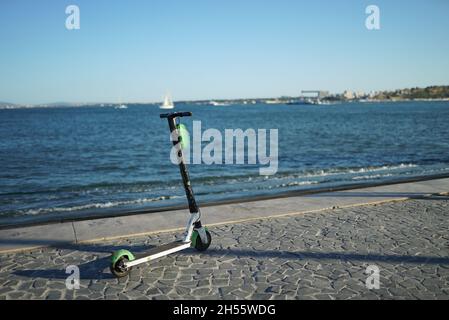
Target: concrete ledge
x,y
27,238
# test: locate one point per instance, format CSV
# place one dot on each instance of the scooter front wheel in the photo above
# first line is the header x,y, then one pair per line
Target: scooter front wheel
x,y
199,245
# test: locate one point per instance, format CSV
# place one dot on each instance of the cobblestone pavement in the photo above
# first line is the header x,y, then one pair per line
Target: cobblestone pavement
x,y
313,256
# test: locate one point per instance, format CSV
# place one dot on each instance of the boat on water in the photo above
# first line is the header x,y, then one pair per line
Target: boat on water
x,y
319,102
168,103
122,106
297,102
219,104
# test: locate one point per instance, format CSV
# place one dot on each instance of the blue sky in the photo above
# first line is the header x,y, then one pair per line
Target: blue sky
x,y
134,50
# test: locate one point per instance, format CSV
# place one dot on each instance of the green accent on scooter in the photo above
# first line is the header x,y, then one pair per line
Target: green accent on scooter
x,y
184,135
122,253
195,236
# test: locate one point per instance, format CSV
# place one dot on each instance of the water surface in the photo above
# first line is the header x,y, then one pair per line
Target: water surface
x,y
88,160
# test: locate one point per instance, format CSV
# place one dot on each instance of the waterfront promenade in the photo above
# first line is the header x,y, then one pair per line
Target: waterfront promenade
x,y
310,247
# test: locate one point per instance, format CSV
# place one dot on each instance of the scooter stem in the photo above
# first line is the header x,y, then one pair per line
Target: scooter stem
x,y
172,117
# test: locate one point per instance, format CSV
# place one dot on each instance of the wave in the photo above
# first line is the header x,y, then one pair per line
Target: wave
x,y
104,205
139,186
234,184
374,176
294,184
107,188
210,192
355,170
211,180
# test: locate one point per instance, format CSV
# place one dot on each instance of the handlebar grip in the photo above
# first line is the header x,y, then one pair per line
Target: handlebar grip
x,y
175,115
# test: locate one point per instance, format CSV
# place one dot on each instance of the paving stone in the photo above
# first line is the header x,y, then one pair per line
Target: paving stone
x,y
305,291
201,292
220,282
261,296
5,290
53,295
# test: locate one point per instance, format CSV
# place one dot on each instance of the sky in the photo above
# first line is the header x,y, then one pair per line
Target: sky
x,y
135,51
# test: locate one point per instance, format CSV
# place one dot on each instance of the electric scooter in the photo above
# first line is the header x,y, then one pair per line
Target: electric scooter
x,y
196,235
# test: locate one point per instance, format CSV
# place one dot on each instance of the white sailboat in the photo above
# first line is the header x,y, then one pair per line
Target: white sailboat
x,y
121,105
219,104
168,103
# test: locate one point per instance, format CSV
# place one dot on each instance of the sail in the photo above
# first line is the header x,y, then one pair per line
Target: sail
x,y
168,103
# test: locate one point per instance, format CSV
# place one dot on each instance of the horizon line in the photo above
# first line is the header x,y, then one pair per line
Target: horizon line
x,y
208,99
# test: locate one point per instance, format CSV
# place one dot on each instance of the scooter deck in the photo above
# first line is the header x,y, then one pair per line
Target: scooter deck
x,y
158,252
160,249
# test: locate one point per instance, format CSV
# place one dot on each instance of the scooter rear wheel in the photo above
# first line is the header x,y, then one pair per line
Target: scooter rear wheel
x,y
199,245
118,268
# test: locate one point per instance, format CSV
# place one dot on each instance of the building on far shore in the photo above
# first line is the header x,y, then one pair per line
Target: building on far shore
x,y
348,95
360,95
351,95
317,94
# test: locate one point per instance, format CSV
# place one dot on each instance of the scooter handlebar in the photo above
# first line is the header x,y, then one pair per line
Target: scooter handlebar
x,y
175,115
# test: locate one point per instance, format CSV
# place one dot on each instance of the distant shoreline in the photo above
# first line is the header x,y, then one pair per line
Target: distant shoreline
x,y
317,97
207,103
